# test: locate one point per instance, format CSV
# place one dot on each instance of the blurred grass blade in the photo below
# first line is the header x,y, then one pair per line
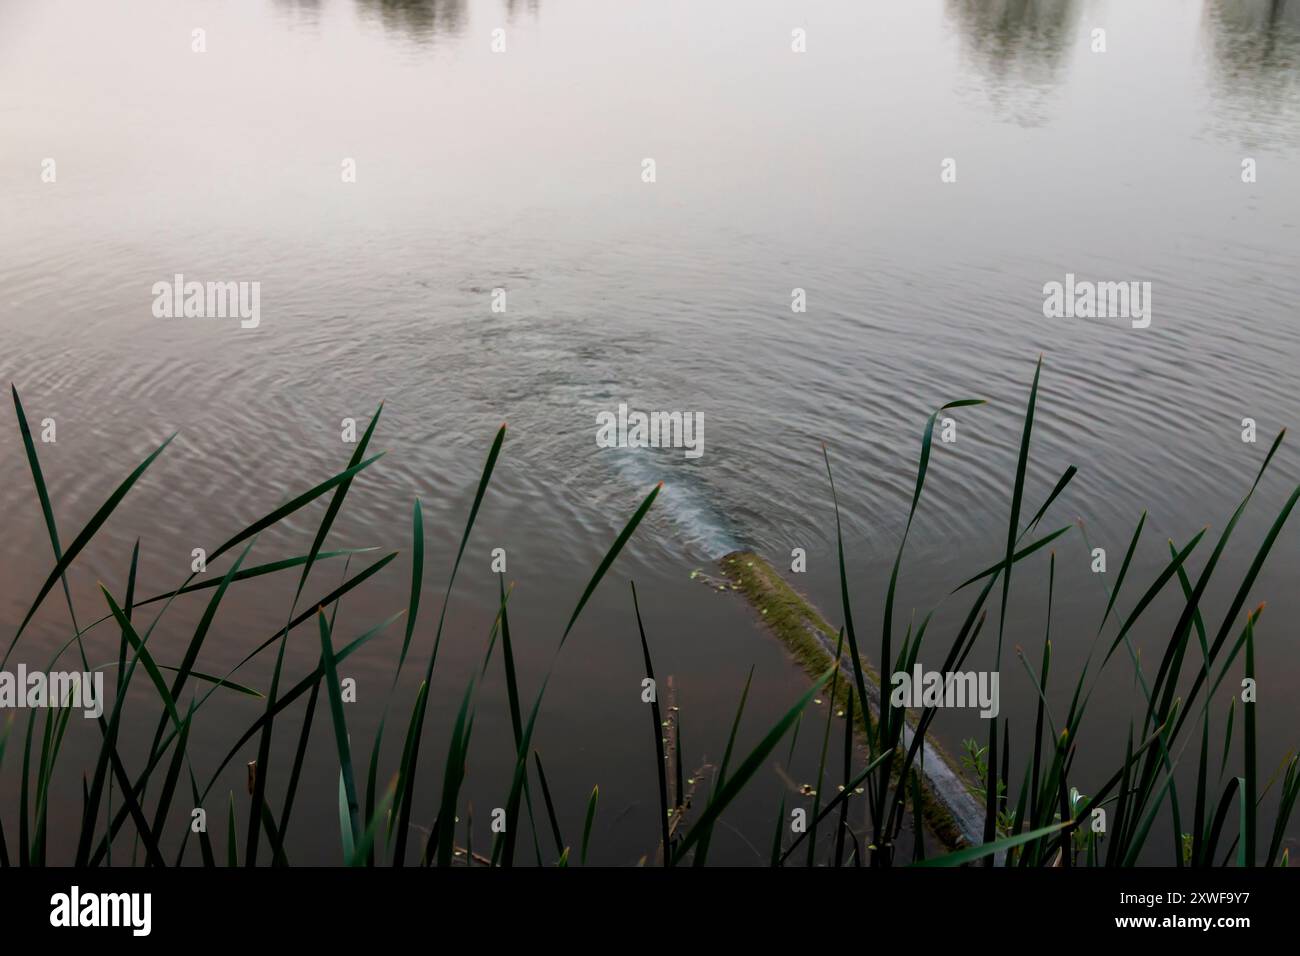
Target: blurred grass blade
x,y
550,805
205,841
362,851
335,505
42,493
452,779
702,851
610,555
173,774
406,794
232,838
352,831
728,791
1123,569
82,539
656,716
417,583
245,574
846,605
306,498
1250,783
1019,556
144,657
586,827
986,850
821,762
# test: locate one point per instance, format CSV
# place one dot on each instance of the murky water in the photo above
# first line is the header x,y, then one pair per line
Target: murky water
x,y
523,171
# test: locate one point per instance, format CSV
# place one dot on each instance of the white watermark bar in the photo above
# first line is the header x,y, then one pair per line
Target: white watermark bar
x,y
953,689
77,909
633,429
1083,299
40,689
179,299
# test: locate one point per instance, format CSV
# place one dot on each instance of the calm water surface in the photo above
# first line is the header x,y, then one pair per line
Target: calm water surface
x,y
522,171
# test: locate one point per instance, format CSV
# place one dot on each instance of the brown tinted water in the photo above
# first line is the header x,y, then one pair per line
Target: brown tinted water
x,y
523,171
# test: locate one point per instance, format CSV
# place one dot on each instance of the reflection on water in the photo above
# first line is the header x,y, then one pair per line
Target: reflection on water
x,y
524,173
420,20
300,13
1254,47
1020,49
515,7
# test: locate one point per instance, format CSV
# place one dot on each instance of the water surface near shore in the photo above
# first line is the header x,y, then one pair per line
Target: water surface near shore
x,y
522,171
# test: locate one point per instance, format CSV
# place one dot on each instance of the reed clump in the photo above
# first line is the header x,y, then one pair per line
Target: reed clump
x,y
1037,819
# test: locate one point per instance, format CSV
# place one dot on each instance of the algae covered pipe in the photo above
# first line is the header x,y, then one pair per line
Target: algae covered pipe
x,y
950,810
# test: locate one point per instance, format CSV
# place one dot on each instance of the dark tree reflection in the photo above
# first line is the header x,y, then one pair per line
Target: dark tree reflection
x,y
1018,50
1254,52
420,20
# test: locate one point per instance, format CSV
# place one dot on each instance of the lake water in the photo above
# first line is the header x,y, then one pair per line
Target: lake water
x,y
522,171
